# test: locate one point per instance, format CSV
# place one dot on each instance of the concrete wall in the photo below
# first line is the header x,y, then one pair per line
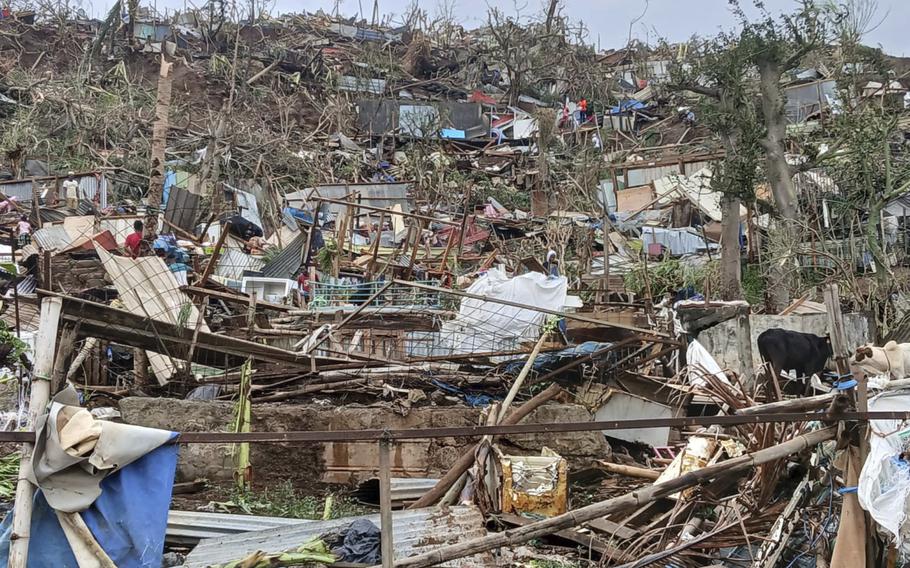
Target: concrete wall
x,y
721,342
308,462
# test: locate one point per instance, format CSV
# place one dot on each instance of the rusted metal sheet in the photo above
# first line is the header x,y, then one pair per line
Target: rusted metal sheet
x,y
181,209
534,484
415,532
355,461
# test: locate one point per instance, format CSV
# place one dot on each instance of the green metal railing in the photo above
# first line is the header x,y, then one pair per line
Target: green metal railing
x,y
330,295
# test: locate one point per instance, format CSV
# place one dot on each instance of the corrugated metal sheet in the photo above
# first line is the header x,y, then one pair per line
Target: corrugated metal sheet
x,y
189,527
287,262
233,262
182,208
90,184
27,285
414,532
52,238
384,195
404,490
21,190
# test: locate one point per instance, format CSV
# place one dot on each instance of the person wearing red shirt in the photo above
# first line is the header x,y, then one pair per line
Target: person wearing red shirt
x,y
134,239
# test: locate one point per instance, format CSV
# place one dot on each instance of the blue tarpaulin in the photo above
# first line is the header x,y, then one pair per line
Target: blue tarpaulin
x,y
128,520
552,360
627,105
474,399
170,180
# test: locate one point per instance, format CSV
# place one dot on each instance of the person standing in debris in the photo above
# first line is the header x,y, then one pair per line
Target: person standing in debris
x,y
71,190
25,231
303,285
583,111
176,259
551,265
134,239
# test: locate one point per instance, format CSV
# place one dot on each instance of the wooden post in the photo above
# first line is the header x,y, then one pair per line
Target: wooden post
x,y
216,252
375,252
418,233
41,385
464,223
141,366
36,204
385,503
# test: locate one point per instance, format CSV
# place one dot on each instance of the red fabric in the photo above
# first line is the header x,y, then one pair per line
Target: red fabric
x,y
132,243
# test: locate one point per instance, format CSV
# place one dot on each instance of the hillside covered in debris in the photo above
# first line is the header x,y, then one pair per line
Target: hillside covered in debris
x,y
307,290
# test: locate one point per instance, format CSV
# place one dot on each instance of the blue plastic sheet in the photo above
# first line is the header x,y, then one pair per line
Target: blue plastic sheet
x,y
474,399
128,520
552,360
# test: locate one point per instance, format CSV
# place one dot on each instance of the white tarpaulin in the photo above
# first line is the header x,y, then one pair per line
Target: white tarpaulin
x,y
884,483
701,362
148,288
483,326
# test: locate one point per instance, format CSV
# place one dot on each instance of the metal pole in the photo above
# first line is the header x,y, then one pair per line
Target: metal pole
x,y
385,503
41,386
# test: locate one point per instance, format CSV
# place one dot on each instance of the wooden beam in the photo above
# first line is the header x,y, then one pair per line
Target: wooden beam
x,y
127,328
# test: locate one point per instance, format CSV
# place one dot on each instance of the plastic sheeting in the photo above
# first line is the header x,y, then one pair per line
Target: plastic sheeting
x,y
678,241
701,362
552,360
483,326
884,483
128,520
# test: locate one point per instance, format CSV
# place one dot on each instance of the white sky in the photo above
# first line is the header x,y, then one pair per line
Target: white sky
x,y
607,20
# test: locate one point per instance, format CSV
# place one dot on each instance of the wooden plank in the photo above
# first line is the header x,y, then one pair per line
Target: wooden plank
x,y
586,540
607,526
634,198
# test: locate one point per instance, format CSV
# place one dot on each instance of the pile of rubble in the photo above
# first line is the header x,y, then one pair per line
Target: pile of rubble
x,y
469,278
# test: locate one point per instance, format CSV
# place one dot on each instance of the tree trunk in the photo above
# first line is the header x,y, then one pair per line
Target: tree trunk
x,y
874,241
730,256
780,179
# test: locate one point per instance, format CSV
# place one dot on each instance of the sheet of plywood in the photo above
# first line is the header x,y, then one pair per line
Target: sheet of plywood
x,y
634,198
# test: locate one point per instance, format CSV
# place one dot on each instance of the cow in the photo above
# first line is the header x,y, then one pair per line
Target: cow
x,y
805,353
893,359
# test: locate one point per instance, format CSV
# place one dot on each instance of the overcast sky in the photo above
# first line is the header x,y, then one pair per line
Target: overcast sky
x,y
608,20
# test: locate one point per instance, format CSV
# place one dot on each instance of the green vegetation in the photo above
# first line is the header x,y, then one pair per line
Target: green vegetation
x,y
284,501
7,336
669,276
9,472
753,284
